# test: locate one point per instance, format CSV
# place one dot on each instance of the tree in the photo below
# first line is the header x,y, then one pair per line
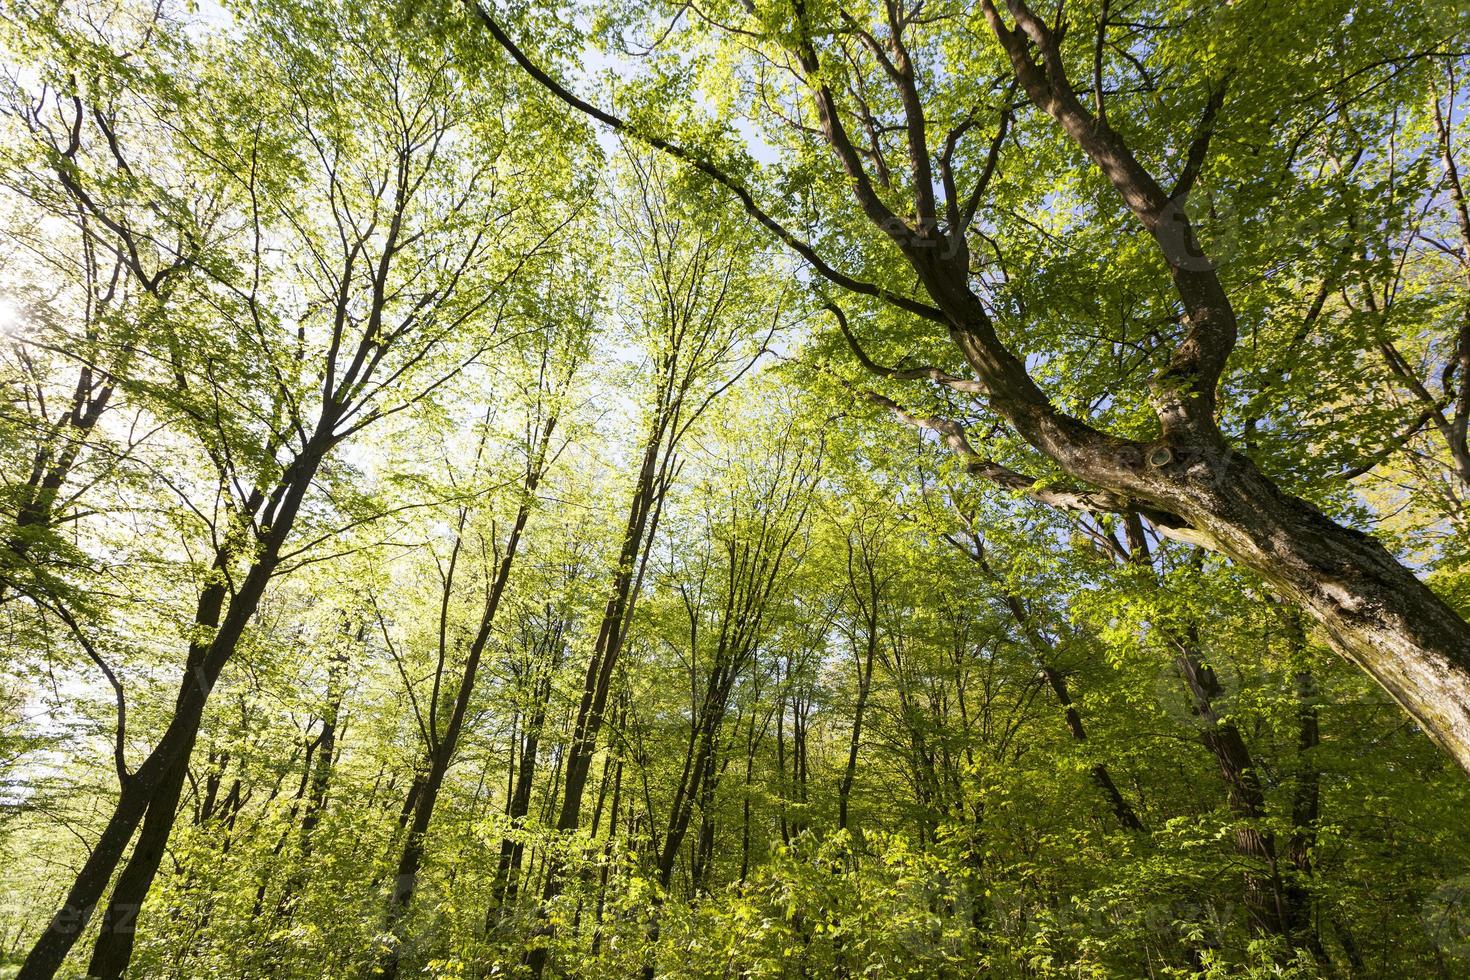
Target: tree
x,y
559,357
406,262
1179,469
692,297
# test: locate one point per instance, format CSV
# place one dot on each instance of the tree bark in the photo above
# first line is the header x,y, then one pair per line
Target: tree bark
x,y
867,589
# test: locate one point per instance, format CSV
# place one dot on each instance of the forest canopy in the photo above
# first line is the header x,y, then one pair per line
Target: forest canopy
x,y
735,488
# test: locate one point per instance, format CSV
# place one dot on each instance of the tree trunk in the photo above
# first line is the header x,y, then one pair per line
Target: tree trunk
x,y
1305,812
681,813
442,753
1264,894
155,786
321,777
598,680
607,851
1046,654
849,772
1376,612
648,495
518,804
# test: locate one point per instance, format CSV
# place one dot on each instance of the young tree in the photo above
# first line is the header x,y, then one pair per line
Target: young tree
x,y
695,307
727,585
562,349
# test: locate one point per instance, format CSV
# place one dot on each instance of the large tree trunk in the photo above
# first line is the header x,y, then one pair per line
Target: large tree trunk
x,y
1377,613
1195,487
154,787
61,932
114,946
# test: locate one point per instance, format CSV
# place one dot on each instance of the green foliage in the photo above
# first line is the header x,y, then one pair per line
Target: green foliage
x,y
871,711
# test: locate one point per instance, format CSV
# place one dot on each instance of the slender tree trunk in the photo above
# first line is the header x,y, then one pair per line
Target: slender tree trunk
x,y
1265,896
607,852
442,753
752,744
598,681
781,779
1046,652
681,813
316,780
849,771
518,803
293,879
321,779
1305,812
704,844
1101,777
648,495
205,808
799,758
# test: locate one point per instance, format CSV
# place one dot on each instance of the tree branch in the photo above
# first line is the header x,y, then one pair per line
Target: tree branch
x,y
709,169
901,374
